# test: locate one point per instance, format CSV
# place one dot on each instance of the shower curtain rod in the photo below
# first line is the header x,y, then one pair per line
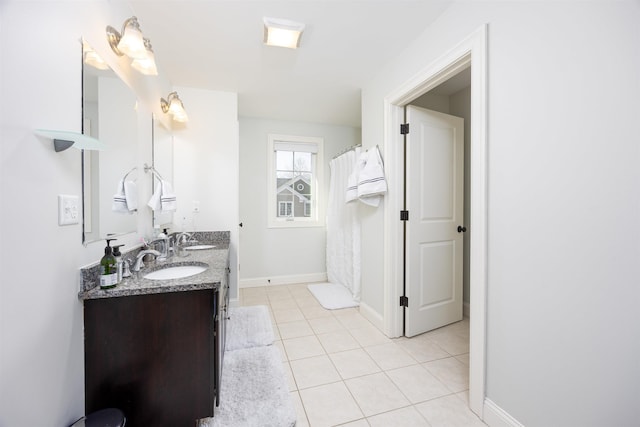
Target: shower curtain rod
x,y
346,150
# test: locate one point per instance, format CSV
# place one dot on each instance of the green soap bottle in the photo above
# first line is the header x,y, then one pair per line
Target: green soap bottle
x,y
108,268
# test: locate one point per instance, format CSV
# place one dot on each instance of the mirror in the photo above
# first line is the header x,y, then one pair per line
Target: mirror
x,y
162,162
109,114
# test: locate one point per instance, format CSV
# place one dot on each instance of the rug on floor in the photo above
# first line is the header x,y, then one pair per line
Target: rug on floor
x,y
253,391
249,327
333,296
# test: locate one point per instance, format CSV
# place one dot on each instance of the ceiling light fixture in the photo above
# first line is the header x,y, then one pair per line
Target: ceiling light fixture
x,y
130,42
173,105
282,32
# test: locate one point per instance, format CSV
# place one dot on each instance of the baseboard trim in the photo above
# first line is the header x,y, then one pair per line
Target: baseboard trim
x,y
372,316
495,416
283,280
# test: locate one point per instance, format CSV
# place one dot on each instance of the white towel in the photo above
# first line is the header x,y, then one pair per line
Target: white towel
x,y
163,198
367,182
168,198
131,195
119,199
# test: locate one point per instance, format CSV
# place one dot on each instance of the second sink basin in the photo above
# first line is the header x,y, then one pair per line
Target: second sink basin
x,y
198,247
176,272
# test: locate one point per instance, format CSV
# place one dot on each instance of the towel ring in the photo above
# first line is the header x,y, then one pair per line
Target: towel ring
x,y
151,169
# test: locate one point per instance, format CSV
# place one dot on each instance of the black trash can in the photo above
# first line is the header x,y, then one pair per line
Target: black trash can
x,y
110,417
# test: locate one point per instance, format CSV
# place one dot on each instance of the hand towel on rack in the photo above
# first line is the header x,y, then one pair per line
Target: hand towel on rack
x,y
167,198
131,195
372,184
163,198
119,199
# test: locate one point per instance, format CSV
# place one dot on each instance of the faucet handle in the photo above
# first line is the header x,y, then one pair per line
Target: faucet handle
x,y
127,271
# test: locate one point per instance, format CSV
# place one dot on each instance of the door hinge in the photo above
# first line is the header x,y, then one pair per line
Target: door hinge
x,y
404,301
404,215
404,129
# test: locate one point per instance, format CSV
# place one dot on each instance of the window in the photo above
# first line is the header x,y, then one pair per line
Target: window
x,y
295,181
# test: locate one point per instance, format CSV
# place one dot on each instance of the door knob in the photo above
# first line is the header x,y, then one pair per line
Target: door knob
x,y
462,229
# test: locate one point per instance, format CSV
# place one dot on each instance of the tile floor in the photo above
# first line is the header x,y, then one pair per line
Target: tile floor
x,y
342,371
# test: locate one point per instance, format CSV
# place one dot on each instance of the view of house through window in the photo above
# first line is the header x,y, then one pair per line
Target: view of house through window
x,y
294,177
294,180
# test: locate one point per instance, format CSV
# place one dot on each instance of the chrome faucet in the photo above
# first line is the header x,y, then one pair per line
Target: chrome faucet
x,y
184,237
139,263
163,244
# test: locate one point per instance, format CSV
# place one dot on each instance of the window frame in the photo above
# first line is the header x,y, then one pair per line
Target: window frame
x,y
317,186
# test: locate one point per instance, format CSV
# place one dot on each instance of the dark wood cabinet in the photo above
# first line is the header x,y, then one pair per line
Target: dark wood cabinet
x,y
156,357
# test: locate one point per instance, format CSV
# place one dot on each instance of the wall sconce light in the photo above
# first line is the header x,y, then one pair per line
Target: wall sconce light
x,y
130,42
173,105
146,65
282,32
91,57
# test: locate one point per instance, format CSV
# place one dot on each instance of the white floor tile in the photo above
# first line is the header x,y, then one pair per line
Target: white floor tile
x,y
423,350
299,348
330,405
390,356
299,328
314,371
283,303
360,423
323,325
417,383
404,417
302,415
354,363
339,367
288,315
376,393
453,373
369,335
315,312
448,411
334,342
290,381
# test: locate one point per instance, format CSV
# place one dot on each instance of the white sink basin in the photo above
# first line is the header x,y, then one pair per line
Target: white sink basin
x,y
176,272
198,247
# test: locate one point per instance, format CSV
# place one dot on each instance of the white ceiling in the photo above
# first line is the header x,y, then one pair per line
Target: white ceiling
x,y
217,45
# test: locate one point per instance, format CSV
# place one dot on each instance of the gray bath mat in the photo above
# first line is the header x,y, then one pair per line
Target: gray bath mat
x,y
254,391
249,327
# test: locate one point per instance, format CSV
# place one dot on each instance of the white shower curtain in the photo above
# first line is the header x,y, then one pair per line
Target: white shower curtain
x,y
343,227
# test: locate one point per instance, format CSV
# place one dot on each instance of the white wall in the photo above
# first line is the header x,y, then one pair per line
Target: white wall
x,y
564,239
268,253
41,341
206,166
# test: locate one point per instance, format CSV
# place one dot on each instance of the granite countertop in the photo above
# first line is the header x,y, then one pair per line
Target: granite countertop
x,y
216,258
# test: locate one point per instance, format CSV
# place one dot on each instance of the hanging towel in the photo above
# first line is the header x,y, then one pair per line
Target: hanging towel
x,y
352,179
367,182
163,198
131,195
168,198
119,199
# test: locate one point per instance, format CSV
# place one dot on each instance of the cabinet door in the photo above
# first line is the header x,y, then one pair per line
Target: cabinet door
x,y
152,357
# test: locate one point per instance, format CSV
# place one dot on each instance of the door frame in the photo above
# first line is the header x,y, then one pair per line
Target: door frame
x,y
470,51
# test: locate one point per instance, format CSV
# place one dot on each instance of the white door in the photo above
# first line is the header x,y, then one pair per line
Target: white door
x,y
434,199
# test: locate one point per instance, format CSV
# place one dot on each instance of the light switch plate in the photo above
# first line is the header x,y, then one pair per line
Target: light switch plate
x,y
68,209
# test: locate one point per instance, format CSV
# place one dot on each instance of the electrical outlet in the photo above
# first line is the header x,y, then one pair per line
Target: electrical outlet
x,y
68,209
196,206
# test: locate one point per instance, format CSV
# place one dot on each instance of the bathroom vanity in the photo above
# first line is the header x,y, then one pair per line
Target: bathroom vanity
x,y
154,348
